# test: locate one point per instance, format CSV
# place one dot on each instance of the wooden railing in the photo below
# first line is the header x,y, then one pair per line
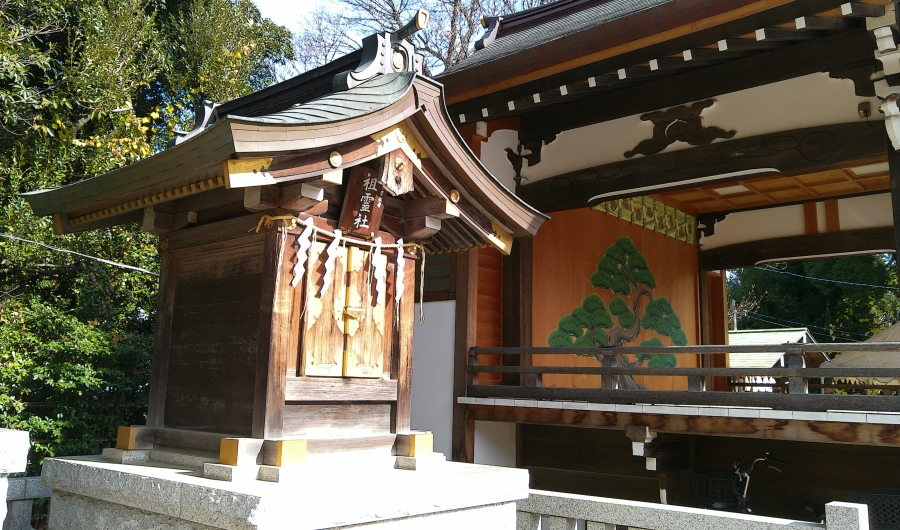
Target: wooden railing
x,y
795,377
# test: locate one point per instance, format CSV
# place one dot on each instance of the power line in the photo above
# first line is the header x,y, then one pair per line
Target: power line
x,y
808,325
101,260
769,269
785,326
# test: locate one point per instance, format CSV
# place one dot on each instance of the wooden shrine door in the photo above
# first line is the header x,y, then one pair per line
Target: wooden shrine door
x,y
348,327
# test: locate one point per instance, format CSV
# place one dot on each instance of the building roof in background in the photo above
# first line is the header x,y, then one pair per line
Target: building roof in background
x,y
531,28
746,337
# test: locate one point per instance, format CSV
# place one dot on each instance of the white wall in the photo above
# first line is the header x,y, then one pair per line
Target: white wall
x,y
495,443
867,211
807,101
432,376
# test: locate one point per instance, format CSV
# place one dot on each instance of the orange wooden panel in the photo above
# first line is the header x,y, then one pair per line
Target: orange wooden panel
x,y
489,328
566,251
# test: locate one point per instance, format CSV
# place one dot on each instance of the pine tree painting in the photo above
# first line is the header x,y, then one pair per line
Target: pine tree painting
x,y
624,271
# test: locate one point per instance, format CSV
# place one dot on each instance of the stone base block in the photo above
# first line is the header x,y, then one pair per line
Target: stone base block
x,y
183,459
122,456
75,511
281,474
92,493
230,473
419,463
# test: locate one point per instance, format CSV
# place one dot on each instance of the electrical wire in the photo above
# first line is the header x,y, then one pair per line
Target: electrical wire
x,y
770,269
101,260
819,333
805,325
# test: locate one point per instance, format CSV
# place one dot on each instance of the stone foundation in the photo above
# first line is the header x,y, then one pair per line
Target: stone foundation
x,y
94,493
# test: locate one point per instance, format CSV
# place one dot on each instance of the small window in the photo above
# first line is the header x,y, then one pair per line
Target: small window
x,y
439,281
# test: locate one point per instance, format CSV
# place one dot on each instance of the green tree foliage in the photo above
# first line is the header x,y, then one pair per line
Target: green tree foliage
x,y
835,312
89,86
624,271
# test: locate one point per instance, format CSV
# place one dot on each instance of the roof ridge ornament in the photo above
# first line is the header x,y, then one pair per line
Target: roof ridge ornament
x,y
491,27
204,115
385,53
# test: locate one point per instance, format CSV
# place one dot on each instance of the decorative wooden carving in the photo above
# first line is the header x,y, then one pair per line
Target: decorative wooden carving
x,y
861,77
533,157
678,124
397,173
363,202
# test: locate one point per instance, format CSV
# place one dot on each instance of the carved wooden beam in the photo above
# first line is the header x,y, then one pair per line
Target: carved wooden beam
x,y
834,51
789,152
753,252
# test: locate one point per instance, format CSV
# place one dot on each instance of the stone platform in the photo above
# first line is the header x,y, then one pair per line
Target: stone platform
x,y
94,493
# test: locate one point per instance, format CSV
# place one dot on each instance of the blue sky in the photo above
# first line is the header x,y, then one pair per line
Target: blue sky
x,y
286,12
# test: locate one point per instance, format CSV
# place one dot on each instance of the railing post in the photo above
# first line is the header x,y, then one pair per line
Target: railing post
x,y
798,384
696,383
608,360
473,361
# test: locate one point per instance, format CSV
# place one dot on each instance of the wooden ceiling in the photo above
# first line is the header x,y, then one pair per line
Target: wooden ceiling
x,y
774,190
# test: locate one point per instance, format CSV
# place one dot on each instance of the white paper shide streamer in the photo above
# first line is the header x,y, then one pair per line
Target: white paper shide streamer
x,y
304,241
380,272
398,292
331,254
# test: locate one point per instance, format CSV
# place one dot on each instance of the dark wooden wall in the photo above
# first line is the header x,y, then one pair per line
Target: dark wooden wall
x,y
818,473
585,462
215,329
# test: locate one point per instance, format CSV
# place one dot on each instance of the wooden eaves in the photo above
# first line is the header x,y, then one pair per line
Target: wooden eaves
x,y
298,145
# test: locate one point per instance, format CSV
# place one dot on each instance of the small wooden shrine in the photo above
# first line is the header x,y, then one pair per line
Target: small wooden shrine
x,y
290,222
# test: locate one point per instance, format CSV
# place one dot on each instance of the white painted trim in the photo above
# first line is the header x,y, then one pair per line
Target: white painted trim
x,y
842,416
646,189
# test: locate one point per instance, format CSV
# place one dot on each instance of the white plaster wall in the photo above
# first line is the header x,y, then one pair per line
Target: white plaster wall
x,y
807,101
495,443
432,376
755,225
869,211
493,156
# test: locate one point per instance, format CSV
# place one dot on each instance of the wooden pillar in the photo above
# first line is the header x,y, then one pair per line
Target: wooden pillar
x,y
162,342
516,308
894,165
275,338
465,335
401,350
703,287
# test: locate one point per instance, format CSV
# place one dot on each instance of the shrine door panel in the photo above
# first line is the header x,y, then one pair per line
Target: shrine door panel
x,y
368,324
322,334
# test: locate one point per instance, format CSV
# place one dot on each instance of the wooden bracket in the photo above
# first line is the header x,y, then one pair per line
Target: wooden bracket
x,y
157,223
421,227
432,206
298,197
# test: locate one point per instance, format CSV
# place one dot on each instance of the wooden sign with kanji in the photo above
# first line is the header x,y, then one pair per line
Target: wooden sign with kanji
x,y
363,202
